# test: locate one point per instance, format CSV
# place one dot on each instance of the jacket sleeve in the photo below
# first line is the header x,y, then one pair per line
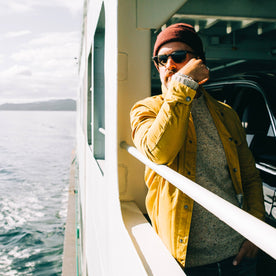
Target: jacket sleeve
x,y
159,127
251,181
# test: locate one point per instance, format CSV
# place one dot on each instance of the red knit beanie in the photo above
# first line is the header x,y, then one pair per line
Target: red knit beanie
x,y
180,32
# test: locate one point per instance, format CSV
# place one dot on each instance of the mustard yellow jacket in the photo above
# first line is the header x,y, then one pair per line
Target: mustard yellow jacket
x,y
163,130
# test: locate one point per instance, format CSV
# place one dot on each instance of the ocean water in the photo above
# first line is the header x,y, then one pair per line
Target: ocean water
x,y
35,155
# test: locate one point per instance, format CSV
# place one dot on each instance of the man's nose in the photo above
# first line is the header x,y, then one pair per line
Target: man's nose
x,y
170,63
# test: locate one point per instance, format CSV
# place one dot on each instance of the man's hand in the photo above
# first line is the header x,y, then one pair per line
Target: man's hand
x,y
196,69
248,249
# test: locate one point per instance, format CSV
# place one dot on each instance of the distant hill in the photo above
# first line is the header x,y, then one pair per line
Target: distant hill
x,y
51,105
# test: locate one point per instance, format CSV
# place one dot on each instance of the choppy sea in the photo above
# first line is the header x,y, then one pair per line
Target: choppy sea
x,y
35,156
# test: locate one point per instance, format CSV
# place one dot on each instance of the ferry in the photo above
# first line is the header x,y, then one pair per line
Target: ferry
x,y
108,231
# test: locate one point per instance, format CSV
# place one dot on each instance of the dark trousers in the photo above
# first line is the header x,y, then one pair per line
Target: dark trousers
x,y
247,267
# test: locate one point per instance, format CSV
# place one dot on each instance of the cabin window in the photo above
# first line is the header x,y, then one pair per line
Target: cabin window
x,y
89,100
98,91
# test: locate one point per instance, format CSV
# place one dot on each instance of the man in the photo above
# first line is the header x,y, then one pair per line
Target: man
x,y
186,129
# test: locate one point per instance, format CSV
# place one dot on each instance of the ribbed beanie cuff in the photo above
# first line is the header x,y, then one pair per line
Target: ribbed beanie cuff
x,y
180,32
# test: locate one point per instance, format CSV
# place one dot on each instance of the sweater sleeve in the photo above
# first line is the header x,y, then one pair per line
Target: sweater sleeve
x,y
159,126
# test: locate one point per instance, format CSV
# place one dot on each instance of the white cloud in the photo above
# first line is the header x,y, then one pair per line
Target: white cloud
x,y
15,6
15,71
23,6
18,34
45,66
19,82
74,6
55,38
35,62
52,52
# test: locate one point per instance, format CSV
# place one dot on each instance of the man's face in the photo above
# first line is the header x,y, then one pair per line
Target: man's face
x,y
171,67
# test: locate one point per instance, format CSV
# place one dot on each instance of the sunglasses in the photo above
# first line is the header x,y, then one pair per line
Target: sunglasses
x,y
177,57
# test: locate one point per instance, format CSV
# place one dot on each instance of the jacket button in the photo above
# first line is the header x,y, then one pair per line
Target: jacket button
x,y
190,141
188,99
230,139
189,173
235,170
186,207
181,240
221,113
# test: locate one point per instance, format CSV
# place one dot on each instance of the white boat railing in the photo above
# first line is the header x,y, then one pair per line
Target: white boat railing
x,y
253,229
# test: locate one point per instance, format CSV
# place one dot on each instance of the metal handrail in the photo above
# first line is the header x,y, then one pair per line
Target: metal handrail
x,y
253,229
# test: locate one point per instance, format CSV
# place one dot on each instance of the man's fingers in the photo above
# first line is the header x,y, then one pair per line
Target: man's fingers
x,y
196,69
248,249
240,256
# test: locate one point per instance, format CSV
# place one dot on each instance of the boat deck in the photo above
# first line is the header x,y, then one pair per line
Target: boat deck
x,y
69,264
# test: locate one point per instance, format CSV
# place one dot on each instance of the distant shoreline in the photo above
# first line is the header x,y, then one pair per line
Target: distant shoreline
x,y
51,105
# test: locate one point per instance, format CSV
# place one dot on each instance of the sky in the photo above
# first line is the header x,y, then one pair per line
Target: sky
x,y
39,47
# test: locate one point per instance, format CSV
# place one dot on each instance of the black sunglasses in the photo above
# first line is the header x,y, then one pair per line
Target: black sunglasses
x,y
177,57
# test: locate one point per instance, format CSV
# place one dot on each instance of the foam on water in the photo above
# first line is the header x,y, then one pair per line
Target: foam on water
x,y
34,174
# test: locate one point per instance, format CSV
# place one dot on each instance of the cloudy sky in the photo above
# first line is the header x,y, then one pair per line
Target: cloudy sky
x,y
39,41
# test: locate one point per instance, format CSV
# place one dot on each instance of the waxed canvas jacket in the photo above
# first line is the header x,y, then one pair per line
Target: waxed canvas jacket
x,y
163,130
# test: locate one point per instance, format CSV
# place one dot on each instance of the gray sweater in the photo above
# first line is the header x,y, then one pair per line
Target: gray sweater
x,y
210,239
